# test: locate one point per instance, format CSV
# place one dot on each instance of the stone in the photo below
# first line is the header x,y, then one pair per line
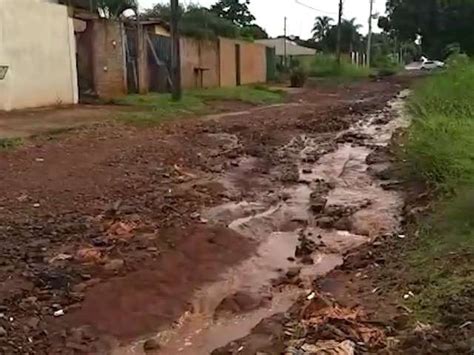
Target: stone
x,y
33,322
114,265
293,272
325,222
307,260
3,332
151,344
317,203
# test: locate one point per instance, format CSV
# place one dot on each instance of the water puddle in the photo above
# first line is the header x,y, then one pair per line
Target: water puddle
x,y
355,208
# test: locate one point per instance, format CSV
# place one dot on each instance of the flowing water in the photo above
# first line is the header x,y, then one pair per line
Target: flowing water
x,y
277,225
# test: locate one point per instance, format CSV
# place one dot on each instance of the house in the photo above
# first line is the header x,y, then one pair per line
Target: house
x,y
286,47
39,66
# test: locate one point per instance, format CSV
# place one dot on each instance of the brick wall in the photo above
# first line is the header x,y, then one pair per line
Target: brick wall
x,y
199,54
108,59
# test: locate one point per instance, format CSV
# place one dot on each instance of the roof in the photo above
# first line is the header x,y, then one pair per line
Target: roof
x,y
292,48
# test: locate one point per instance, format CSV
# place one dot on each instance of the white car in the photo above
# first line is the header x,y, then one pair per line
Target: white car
x,y
431,65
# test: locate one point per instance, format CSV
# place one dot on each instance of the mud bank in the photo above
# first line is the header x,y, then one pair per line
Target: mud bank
x,y
303,229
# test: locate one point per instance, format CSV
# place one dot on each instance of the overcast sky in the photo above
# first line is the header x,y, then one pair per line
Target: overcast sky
x,y
270,13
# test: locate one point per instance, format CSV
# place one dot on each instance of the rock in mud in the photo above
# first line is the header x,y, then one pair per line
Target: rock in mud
x,y
293,272
317,202
241,302
343,224
306,247
325,222
114,265
151,344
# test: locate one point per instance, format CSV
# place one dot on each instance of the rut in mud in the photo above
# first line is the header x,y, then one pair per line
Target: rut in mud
x,y
193,233
303,230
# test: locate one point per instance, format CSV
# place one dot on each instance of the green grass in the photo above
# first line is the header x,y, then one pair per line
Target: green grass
x,y
10,143
324,65
440,153
249,94
155,108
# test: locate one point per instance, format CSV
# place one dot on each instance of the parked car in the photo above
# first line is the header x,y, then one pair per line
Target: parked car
x,y
431,65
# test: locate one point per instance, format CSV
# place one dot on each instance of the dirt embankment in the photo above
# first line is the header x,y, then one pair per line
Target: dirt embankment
x,y
108,233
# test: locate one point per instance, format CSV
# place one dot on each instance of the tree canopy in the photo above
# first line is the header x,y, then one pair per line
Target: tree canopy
x,y
107,8
322,25
440,23
201,22
234,11
351,39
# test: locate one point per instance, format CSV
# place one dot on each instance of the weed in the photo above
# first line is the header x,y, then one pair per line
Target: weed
x,y
440,152
158,107
10,143
325,65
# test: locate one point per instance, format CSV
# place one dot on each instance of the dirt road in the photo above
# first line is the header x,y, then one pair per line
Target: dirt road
x,y
181,238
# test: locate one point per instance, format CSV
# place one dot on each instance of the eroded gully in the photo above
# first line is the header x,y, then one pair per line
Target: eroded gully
x,y
337,205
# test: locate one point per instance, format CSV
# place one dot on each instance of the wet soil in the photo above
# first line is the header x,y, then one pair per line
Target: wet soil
x,y
135,234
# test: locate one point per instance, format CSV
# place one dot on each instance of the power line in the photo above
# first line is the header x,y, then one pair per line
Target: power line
x,y
299,2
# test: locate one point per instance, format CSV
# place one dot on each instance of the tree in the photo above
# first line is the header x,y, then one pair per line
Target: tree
x,y
253,31
439,22
235,11
322,25
196,21
351,39
106,8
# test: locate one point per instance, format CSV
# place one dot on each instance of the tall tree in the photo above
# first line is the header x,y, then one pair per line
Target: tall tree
x,y
351,39
439,22
234,10
107,8
196,21
253,31
321,27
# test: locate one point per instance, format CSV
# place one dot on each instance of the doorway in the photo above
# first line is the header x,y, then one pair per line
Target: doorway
x,y
237,65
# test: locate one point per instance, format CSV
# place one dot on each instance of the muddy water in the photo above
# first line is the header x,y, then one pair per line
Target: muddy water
x,y
277,224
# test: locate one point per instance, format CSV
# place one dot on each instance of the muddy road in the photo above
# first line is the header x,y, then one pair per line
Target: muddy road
x,y
182,238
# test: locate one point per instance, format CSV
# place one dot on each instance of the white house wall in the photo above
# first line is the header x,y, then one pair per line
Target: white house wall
x,y
37,43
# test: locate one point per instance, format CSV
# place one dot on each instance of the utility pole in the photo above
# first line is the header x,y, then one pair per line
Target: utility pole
x,y
175,52
285,55
369,36
339,33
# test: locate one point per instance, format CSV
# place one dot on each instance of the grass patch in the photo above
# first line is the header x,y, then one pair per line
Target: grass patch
x,y
156,108
324,65
250,94
10,143
440,153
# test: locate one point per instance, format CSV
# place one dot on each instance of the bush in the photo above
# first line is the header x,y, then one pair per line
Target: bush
x,y
325,65
298,77
440,146
457,60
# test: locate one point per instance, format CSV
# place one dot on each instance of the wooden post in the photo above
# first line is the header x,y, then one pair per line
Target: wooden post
x,y
369,36
339,33
142,61
175,51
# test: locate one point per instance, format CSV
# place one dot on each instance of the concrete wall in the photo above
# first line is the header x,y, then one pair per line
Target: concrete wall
x,y
108,63
37,43
199,54
253,63
228,76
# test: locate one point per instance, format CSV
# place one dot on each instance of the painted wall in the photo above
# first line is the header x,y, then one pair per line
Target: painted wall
x,y
253,63
42,61
228,76
199,54
108,62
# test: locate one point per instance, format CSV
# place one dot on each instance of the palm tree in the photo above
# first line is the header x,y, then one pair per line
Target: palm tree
x,y
108,8
115,8
353,29
322,25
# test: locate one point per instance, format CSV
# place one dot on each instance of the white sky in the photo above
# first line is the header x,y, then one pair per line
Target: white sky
x,y
270,13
